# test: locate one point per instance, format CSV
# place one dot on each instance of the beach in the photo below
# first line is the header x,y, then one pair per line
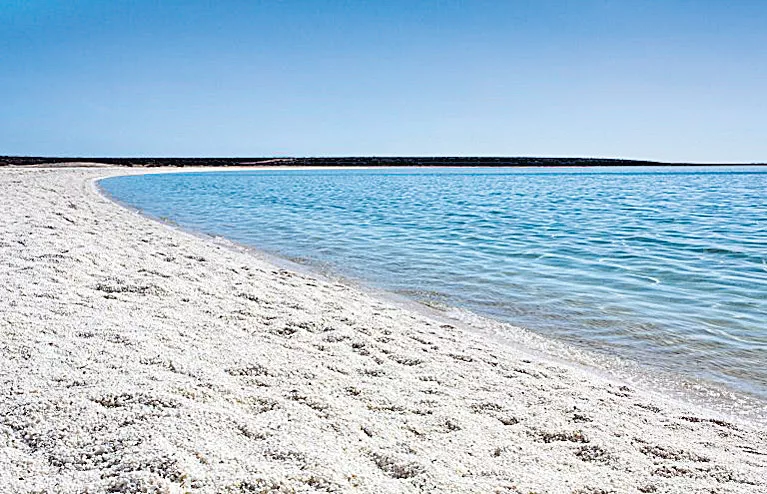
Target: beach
x,y
137,357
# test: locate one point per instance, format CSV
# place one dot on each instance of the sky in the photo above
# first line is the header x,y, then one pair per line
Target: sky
x,y
666,80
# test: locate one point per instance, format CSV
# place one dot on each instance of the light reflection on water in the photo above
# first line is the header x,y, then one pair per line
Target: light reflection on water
x,y
661,266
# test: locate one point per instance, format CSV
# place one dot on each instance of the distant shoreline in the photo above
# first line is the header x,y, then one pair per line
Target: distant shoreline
x,y
371,161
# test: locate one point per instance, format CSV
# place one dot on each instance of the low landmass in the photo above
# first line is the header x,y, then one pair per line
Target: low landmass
x,y
341,162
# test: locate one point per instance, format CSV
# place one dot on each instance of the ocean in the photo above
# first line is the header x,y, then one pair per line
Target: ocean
x,y
665,268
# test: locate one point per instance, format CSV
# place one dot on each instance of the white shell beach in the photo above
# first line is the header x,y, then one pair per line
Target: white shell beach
x,y
135,357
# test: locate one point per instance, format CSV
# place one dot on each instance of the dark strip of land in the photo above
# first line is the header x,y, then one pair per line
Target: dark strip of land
x,y
343,161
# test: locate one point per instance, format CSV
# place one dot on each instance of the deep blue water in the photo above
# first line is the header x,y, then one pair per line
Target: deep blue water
x,y
667,267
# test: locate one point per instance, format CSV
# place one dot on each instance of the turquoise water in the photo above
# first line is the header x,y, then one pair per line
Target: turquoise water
x,y
666,267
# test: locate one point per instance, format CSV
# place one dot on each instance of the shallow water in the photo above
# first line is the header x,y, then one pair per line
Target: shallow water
x,y
666,267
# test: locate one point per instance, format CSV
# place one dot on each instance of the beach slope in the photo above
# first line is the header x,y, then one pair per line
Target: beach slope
x,y
135,357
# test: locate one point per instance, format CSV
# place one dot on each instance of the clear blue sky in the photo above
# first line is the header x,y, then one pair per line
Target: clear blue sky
x,y
673,80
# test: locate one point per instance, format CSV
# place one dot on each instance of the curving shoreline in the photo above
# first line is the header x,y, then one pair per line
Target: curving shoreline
x,y
704,378
135,356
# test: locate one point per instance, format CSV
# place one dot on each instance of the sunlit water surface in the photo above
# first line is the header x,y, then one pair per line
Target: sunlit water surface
x,y
664,267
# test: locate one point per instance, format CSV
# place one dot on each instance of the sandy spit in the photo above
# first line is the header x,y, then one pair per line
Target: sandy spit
x,y
138,358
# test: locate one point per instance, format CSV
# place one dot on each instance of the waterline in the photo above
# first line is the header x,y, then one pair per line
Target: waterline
x,y
659,266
